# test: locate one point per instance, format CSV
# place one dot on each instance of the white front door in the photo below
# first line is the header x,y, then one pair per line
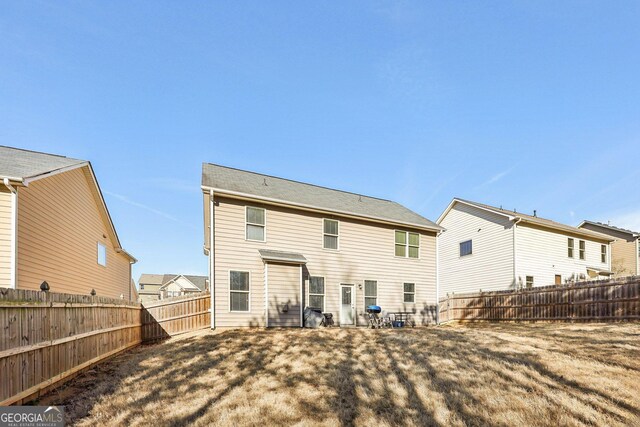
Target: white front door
x,y
347,305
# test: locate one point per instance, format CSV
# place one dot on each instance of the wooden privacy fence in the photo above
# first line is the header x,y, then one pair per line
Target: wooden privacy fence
x,y
600,301
177,315
46,338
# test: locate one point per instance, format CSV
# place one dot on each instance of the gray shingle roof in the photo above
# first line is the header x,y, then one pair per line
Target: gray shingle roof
x,y
271,255
539,221
199,281
611,227
163,279
270,188
18,164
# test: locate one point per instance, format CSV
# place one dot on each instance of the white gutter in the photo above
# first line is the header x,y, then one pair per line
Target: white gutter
x,y
437,281
212,273
302,206
266,294
14,242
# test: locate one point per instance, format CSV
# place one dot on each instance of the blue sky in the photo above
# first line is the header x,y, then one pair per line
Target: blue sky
x,y
525,104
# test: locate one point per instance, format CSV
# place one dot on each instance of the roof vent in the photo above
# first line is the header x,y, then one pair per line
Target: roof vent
x,y
265,183
535,213
609,223
360,198
514,210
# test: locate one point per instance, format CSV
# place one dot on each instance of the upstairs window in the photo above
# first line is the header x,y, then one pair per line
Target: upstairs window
x,y
239,291
330,234
407,244
316,292
466,248
582,249
603,253
409,292
370,293
102,254
255,224
570,248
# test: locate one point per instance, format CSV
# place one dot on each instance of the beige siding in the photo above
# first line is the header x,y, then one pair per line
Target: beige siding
x,y
543,253
5,238
366,252
284,291
59,227
624,257
490,266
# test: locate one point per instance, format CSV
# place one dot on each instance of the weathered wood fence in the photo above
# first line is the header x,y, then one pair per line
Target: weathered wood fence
x,y
48,338
177,315
600,301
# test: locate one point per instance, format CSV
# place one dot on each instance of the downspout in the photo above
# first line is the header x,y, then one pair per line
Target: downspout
x,y
638,256
437,279
212,273
515,254
14,245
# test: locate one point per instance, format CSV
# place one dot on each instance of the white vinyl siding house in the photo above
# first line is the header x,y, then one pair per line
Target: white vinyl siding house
x,y
311,253
510,250
490,265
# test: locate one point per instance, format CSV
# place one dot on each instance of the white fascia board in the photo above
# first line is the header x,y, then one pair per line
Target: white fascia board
x,y
454,201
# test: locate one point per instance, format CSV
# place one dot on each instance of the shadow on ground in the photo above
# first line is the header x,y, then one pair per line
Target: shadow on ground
x,y
481,375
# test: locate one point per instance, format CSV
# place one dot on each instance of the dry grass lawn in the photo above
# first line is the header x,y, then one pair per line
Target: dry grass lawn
x,y
516,375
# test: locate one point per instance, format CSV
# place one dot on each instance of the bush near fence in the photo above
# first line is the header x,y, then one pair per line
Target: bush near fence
x,y
594,301
47,338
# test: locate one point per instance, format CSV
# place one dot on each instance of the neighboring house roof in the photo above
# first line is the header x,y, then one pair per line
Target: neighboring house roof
x,y
632,234
270,189
20,165
280,256
199,282
531,219
24,166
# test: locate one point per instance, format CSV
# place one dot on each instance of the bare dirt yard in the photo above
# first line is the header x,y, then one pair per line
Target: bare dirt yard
x,y
499,374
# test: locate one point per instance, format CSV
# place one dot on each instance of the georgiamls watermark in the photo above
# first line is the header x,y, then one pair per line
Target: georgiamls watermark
x,y
31,416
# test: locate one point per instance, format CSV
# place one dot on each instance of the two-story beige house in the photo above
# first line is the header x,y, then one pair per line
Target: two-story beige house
x,y
489,248
625,249
55,228
276,246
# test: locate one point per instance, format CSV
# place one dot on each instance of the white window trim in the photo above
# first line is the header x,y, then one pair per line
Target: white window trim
x,y
533,282
606,254
98,246
412,293
229,292
324,299
406,246
573,248
246,222
334,235
460,247
364,292
582,253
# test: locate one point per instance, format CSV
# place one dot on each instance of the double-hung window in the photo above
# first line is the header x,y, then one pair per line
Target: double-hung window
x,y
407,244
582,249
316,292
409,292
370,293
570,248
255,224
239,291
603,253
331,229
466,248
